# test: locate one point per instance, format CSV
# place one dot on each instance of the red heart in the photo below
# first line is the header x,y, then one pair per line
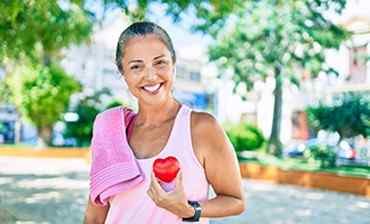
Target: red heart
x,y
166,169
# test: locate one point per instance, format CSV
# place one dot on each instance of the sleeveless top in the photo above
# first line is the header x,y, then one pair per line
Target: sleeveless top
x,y
136,207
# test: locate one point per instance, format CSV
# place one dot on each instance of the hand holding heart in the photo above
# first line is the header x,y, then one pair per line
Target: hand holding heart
x,y
174,201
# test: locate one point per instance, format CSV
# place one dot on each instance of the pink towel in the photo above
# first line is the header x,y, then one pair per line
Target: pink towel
x,y
114,168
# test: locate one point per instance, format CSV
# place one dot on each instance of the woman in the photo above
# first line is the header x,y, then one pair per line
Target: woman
x,y
163,127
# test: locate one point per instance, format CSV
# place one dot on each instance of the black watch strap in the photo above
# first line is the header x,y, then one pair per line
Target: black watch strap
x,y
198,211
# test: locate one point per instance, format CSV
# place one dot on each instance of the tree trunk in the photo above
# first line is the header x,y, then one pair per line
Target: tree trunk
x,y
275,146
45,135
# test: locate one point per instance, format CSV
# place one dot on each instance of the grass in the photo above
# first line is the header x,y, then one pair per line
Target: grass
x,y
304,165
15,146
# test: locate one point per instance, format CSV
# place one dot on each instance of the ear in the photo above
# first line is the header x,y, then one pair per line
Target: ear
x,y
124,80
122,76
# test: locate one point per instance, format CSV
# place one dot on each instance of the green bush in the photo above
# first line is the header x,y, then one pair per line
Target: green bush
x,y
325,155
42,94
348,114
87,109
245,137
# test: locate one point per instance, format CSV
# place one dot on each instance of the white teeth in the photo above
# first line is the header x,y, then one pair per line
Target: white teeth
x,y
152,88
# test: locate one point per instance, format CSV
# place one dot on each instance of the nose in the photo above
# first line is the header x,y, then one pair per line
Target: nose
x,y
150,73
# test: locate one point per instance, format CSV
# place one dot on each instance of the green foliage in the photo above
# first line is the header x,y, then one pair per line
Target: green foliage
x,y
87,109
32,28
5,92
213,11
42,94
265,35
325,155
245,137
46,92
81,130
349,115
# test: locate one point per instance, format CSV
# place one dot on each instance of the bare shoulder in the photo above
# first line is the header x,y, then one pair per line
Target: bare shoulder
x,y
207,133
205,125
202,121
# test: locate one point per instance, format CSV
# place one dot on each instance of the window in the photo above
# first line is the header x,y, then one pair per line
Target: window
x,y
357,66
195,76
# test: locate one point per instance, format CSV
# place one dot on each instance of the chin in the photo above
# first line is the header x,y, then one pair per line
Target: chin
x,y
154,102
159,99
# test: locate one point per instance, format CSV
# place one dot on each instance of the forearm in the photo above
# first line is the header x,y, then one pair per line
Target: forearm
x,y
220,206
95,214
93,221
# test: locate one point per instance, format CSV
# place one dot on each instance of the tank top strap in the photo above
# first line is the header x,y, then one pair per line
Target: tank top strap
x,y
181,130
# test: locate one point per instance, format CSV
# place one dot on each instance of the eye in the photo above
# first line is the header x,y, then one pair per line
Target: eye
x,y
135,67
161,62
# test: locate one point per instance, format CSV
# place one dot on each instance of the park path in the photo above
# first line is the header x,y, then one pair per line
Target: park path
x,y
55,191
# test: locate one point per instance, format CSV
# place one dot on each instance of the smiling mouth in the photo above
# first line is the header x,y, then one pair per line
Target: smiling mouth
x,y
152,89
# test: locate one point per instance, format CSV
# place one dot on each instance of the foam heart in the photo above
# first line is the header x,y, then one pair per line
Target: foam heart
x,y
166,169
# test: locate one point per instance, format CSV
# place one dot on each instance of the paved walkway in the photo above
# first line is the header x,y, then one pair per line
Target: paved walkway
x,y
55,191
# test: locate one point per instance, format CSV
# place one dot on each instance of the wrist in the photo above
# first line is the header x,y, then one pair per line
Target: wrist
x,y
188,211
197,210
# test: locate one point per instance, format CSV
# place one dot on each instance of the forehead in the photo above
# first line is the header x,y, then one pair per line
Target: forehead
x,y
145,46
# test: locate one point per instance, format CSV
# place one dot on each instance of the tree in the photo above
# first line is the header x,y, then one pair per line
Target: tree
x,y
37,30
42,94
87,109
33,33
349,115
280,39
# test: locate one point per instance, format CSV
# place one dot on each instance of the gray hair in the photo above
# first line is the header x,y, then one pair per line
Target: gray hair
x,y
140,29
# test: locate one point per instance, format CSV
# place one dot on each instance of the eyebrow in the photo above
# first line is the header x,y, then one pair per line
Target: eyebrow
x,y
138,60
162,55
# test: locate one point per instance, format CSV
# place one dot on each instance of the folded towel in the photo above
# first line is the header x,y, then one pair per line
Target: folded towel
x,y
114,168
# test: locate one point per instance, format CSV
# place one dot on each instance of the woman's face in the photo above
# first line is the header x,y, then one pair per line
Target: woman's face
x,y
148,69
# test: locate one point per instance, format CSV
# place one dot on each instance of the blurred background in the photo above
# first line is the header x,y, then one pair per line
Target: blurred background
x,y
288,80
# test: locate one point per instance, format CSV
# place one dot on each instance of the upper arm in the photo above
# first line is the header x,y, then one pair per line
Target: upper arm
x,y
95,214
219,159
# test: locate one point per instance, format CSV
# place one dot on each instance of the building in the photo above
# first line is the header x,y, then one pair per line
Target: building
x,y
351,61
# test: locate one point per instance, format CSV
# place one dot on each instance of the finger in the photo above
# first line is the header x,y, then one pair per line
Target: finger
x,y
151,194
156,186
154,182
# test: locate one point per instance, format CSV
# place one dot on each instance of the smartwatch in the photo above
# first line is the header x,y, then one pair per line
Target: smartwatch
x,y
198,211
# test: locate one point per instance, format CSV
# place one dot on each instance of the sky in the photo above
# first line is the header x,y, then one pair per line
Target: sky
x,y
188,45
194,45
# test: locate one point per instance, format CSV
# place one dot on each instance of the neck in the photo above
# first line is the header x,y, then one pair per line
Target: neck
x,y
155,115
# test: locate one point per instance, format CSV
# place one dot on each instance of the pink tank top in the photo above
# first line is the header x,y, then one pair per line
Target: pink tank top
x,y
136,207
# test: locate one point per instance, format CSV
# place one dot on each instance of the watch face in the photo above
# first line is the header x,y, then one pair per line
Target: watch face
x,y
198,211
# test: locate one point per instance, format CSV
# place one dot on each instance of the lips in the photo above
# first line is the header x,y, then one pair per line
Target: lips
x,y
152,89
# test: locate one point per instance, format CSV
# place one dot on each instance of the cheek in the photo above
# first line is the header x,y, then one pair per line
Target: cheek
x,y
167,74
131,83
